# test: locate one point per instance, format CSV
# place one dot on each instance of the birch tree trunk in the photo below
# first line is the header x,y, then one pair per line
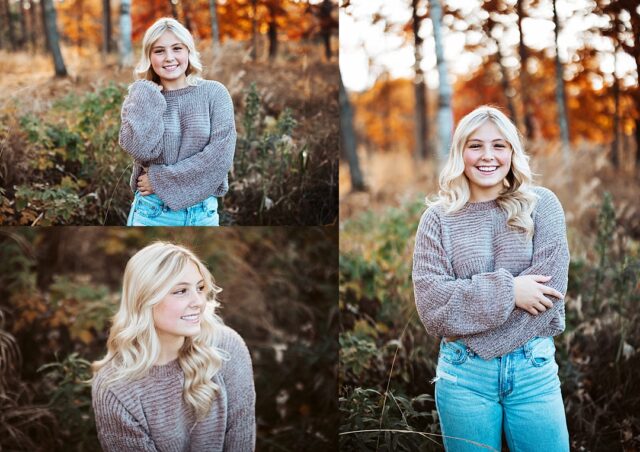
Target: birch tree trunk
x,y
215,30
126,53
445,114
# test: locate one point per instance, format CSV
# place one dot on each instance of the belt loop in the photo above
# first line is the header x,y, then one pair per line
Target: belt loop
x,y
527,349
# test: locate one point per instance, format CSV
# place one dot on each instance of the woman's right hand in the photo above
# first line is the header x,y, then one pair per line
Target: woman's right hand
x,y
530,293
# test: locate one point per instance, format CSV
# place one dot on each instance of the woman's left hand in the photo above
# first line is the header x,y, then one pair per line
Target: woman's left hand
x,y
144,185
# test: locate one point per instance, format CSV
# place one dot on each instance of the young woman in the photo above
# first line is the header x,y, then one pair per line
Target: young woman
x,y
180,131
490,271
174,377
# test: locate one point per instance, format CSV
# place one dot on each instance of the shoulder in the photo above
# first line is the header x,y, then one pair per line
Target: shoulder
x,y
547,203
234,347
101,386
230,341
213,88
432,217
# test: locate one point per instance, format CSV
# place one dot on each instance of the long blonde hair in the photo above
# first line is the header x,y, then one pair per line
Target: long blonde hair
x,y
145,71
133,345
517,198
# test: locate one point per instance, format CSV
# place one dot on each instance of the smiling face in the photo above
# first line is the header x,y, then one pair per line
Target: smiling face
x,y
178,313
487,161
170,60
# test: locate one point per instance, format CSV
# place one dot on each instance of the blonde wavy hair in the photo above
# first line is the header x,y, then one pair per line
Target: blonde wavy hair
x,y
145,71
133,345
517,197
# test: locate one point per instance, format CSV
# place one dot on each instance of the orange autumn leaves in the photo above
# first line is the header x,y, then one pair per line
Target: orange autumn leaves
x,y
384,116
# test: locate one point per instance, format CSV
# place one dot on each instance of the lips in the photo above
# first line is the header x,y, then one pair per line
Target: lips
x,y
193,318
486,169
170,68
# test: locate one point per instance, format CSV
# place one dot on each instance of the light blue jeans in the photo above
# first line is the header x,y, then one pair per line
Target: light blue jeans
x,y
518,392
150,210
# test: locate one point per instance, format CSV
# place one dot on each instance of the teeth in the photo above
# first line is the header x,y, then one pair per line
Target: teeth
x,y
190,317
487,168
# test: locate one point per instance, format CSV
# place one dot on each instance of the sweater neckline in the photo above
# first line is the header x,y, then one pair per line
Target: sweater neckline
x,y
481,205
165,370
180,92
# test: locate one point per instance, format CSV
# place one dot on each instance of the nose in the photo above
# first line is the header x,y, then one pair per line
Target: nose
x,y
487,152
197,300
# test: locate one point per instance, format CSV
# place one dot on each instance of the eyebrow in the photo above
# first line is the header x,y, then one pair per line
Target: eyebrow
x,y
162,47
478,139
184,283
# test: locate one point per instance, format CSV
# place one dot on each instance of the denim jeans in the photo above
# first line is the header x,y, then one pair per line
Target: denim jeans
x,y
150,210
518,392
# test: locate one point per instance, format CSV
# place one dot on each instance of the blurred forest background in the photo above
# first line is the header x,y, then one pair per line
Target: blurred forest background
x,y
68,63
60,286
566,72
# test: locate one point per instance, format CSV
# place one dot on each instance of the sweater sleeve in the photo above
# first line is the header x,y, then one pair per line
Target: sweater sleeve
x,y
550,258
117,428
449,306
142,126
240,435
195,178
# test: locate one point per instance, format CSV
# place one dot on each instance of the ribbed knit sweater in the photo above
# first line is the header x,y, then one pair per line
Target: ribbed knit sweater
x,y
186,137
464,266
151,415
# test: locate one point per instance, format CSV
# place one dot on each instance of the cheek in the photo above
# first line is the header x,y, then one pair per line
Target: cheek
x,y
165,313
468,160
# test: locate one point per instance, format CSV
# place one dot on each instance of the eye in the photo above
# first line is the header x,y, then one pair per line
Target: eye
x,y
201,289
474,146
158,51
177,49
500,145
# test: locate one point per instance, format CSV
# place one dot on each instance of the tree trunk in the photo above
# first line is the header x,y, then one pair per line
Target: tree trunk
x,y
10,28
524,76
506,85
79,6
326,23
33,24
349,139
53,37
126,54
560,96
419,88
215,30
273,38
445,114
174,9
43,15
615,161
2,28
254,30
23,24
107,28
186,13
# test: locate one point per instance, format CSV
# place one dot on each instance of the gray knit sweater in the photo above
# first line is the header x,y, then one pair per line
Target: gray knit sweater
x,y
186,138
151,415
464,266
